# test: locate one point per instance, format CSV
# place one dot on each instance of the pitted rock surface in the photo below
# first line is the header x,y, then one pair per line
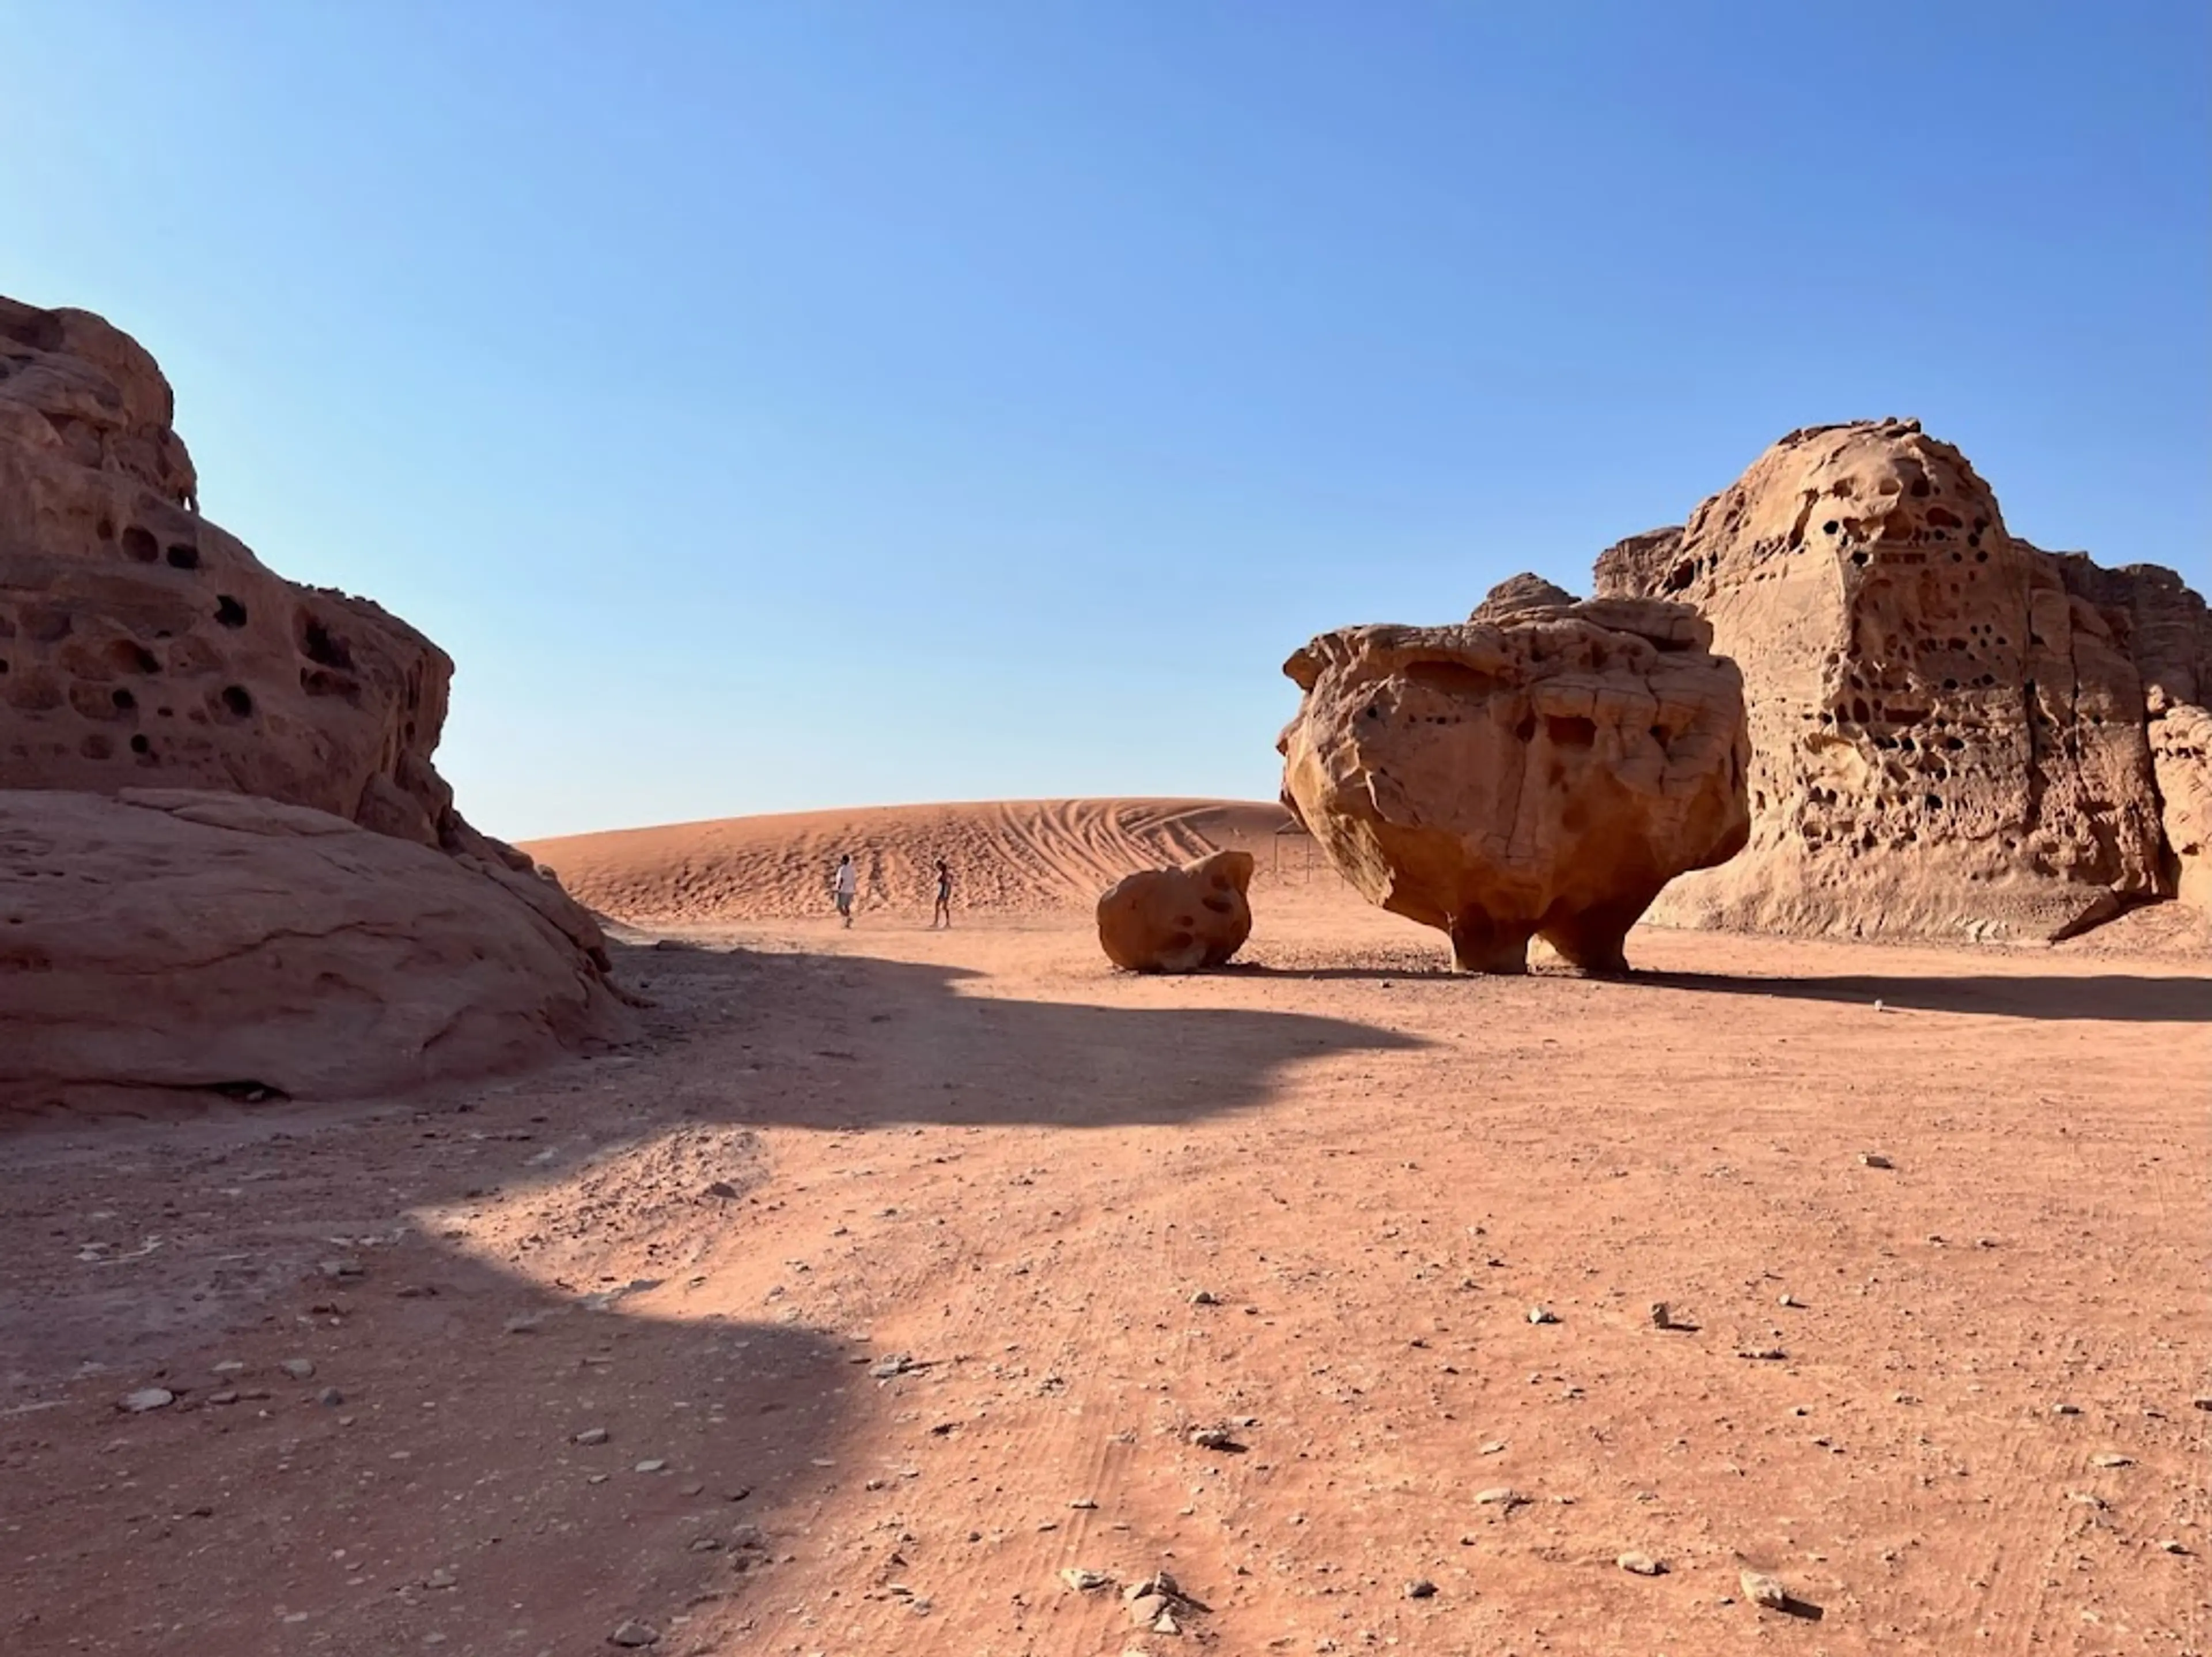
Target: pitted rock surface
x,y
1178,920
1541,770
1950,729
143,647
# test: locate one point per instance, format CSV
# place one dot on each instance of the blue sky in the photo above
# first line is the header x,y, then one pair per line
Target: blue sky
x,y
794,405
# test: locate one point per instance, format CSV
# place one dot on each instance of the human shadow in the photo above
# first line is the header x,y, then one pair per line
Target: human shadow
x,y
2114,997
499,1446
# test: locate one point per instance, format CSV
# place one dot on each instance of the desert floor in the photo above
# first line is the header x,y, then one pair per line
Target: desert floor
x,y
892,1274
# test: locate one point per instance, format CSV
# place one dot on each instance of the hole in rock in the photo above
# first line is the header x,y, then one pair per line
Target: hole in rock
x,y
229,612
1570,730
140,745
122,699
183,558
317,643
140,545
1451,678
235,698
133,657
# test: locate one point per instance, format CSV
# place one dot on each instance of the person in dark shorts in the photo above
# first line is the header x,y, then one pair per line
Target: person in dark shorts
x,y
942,916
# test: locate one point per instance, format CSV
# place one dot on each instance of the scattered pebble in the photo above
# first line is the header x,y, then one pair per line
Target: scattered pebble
x,y
633,1634
2170,1546
899,1363
592,1436
1083,1504
1421,1588
2065,1408
1214,1438
329,1398
1874,1159
1204,1297
1663,1315
1542,1314
652,1466
440,1578
1085,1580
342,1270
2202,1401
2111,1458
1642,1564
1499,1495
1763,1590
145,1399
1789,1301
1764,1354
299,1368
1494,1447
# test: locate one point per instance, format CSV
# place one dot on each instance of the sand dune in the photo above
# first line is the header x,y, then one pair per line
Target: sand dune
x,y
1007,856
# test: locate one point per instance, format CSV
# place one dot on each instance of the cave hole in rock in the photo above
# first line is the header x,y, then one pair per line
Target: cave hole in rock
x,y
235,698
122,699
1451,679
318,644
1526,729
229,612
140,544
140,745
1830,528
105,529
181,557
1570,730
1919,487
1681,576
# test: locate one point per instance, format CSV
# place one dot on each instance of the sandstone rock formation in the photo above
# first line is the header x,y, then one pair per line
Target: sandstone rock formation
x,y
141,646
1178,920
1950,728
1542,769
176,938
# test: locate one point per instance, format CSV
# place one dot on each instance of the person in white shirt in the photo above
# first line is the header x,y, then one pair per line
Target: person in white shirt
x,y
846,884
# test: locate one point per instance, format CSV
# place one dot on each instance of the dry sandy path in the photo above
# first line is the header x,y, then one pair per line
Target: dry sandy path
x,y
981,1150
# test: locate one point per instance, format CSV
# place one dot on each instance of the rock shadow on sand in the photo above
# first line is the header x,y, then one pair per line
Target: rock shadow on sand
x,y
855,1042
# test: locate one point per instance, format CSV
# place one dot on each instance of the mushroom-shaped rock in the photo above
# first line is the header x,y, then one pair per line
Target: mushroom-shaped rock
x,y
1541,774
1178,920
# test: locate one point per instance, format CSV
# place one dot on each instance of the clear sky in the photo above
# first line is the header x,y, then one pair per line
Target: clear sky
x,y
798,403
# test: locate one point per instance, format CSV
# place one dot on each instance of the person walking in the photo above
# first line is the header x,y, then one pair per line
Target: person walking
x,y
846,884
943,914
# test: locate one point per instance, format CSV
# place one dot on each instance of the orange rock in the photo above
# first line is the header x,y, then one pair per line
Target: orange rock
x,y
1949,727
1542,769
1178,920
203,939
141,646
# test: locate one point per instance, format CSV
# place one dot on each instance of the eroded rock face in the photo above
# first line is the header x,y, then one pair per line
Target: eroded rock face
x,y
141,646
1949,727
1541,770
1178,920
181,939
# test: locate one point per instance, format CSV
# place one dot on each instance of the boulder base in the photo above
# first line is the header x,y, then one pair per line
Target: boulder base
x,y
182,939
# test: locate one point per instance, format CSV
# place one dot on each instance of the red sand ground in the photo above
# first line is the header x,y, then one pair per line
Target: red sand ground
x,y
981,1151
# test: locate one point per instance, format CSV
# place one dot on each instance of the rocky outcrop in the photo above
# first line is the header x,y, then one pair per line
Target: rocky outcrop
x,y
1951,730
1178,920
1544,769
141,646
179,939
